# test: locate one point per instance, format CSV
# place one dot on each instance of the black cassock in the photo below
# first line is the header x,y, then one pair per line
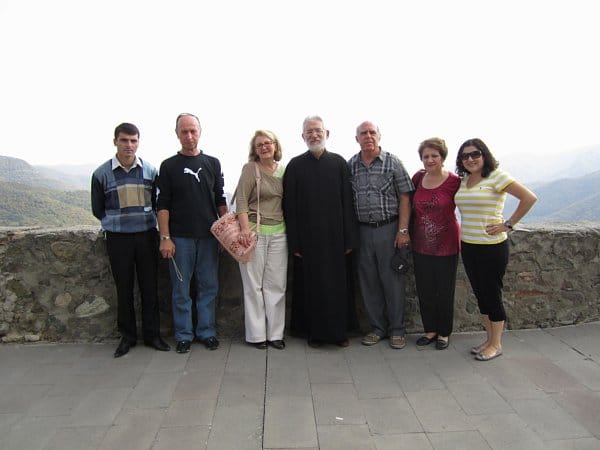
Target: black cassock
x,y
321,225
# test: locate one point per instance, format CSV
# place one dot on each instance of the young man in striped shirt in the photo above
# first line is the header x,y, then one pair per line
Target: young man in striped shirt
x,y
124,200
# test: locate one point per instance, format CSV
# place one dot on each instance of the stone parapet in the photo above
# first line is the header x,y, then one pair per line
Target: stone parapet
x,y
56,285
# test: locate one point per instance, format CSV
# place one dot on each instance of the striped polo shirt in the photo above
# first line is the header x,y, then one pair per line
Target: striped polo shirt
x,y
481,205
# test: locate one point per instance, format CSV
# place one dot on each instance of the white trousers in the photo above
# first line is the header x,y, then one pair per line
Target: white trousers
x,y
265,278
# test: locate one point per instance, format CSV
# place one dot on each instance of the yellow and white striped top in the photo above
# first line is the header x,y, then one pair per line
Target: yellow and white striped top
x,y
481,205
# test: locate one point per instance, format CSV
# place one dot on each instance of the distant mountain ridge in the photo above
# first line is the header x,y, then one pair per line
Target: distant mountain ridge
x,y
31,196
534,169
566,200
567,186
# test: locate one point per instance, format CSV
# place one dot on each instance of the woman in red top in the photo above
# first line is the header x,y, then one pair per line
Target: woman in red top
x,y
435,240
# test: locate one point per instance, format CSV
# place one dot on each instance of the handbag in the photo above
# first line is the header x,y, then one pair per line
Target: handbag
x,y
401,260
227,230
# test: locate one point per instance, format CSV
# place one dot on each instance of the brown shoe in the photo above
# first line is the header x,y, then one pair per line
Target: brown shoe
x,y
343,343
370,339
397,342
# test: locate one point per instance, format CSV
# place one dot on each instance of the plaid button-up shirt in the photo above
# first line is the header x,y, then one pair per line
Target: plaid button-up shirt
x,y
377,188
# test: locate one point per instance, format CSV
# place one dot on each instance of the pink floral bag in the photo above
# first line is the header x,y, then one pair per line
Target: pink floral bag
x,y
227,230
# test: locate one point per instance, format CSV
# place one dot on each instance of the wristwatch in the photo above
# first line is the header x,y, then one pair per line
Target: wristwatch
x,y
508,225
165,238
403,231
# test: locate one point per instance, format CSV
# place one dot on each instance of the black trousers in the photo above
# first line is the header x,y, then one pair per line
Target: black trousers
x,y
435,278
485,266
132,254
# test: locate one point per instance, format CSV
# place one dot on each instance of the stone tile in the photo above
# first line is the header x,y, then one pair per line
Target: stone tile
x,y
210,362
77,438
55,406
99,407
237,425
154,390
547,375
6,422
197,386
452,367
73,384
347,437
390,416
187,437
479,398
574,444
166,361
548,345
463,440
19,398
11,375
372,375
190,413
33,433
584,370
328,368
45,374
507,431
337,404
412,441
287,374
237,387
414,373
133,429
582,338
245,360
125,377
289,422
584,406
548,419
438,411
509,382
62,353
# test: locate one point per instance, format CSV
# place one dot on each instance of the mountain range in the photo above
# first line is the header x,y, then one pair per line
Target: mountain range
x,y
567,186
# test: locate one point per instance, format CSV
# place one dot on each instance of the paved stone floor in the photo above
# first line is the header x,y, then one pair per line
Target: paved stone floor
x,y
543,393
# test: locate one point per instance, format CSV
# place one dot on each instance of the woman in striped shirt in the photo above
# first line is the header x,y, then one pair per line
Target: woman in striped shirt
x,y
484,245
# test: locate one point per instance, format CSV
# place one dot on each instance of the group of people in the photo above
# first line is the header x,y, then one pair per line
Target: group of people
x,y
334,217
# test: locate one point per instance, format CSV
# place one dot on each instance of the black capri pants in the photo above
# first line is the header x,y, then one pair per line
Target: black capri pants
x,y
485,265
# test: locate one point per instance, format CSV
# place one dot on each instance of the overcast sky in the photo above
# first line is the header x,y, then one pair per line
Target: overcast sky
x,y
521,75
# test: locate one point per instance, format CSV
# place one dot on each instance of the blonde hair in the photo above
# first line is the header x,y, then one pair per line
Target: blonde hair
x,y
252,156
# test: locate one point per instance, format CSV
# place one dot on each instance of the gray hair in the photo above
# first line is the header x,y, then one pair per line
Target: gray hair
x,y
311,118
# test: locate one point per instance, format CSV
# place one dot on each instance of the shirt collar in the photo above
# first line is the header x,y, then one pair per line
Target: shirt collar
x,y
115,163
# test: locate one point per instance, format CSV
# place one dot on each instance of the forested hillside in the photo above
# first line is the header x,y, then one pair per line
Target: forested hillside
x,y
22,205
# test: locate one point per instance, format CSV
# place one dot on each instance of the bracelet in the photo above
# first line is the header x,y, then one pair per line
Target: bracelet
x,y
165,238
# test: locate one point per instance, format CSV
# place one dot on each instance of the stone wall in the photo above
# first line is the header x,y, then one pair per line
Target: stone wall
x,y
56,285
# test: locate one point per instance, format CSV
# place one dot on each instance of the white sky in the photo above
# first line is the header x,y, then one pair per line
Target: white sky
x,y
522,75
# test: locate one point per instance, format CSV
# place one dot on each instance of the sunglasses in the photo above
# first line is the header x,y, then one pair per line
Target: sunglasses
x,y
473,155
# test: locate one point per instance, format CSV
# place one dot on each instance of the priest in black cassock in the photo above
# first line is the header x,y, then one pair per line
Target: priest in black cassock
x,y
321,231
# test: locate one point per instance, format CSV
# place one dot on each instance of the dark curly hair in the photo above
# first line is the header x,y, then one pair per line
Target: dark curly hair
x,y
489,162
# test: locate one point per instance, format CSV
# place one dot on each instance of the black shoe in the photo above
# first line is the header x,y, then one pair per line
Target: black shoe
x,y
314,343
343,343
123,347
278,344
157,343
441,344
424,340
211,343
183,346
259,345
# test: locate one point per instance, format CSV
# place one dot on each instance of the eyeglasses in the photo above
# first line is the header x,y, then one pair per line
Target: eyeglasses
x,y
317,131
263,144
473,155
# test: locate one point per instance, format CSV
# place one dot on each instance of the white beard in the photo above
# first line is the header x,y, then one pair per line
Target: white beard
x,y
317,147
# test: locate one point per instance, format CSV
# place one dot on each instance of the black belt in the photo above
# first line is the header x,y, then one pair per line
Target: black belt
x,y
380,223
